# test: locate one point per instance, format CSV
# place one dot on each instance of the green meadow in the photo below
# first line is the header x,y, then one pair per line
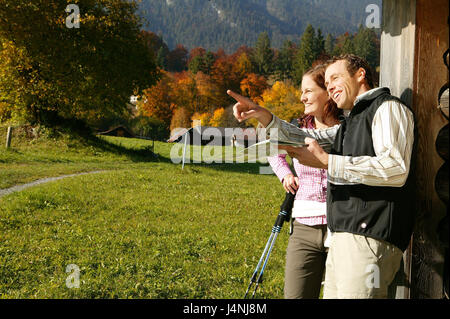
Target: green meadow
x,y
140,227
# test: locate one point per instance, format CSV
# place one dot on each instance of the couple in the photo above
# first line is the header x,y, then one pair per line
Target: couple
x,y
369,190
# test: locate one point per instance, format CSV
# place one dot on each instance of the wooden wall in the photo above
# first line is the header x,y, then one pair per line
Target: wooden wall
x,y
414,38
430,74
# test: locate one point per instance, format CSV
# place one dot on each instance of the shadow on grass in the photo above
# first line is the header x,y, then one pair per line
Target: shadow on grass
x,y
143,154
249,168
238,167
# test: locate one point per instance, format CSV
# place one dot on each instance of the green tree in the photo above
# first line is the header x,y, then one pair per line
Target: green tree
x,y
161,57
308,51
284,62
320,42
366,46
263,54
177,59
49,71
344,44
196,64
208,62
329,44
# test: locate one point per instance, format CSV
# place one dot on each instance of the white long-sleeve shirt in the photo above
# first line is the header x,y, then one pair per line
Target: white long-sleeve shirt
x,y
392,135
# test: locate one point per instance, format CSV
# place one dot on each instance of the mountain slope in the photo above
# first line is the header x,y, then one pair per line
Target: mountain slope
x,y
228,24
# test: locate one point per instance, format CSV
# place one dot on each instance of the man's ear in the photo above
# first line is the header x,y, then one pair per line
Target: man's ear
x,y
361,74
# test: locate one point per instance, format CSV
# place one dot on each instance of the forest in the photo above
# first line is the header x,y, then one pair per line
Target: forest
x,y
54,75
194,83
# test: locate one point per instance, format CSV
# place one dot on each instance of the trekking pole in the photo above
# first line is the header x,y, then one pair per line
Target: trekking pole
x,y
283,215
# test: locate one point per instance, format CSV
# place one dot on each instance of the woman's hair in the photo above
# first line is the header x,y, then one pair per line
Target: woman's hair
x,y
330,111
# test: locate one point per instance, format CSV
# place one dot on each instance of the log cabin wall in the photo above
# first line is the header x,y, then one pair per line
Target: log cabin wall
x,y
414,38
430,74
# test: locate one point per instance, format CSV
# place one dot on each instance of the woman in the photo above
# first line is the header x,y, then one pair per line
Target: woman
x,y
306,251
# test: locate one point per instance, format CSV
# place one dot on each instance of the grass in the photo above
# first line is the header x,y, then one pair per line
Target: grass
x,y
143,228
29,159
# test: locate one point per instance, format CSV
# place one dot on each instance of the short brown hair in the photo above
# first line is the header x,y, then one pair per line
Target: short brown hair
x,y
355,62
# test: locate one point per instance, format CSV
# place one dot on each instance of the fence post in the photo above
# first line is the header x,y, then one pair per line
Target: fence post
x,y
8,137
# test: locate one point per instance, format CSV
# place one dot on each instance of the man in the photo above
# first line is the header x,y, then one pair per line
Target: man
x,y
369,206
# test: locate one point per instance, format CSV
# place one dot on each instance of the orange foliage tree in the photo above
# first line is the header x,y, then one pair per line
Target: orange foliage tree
x,y
208,92
226,76
157,102
180,119
204,118
184,91
283,100
253,86
219,118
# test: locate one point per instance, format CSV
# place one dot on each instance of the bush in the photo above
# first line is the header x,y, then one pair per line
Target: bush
x,y
149,127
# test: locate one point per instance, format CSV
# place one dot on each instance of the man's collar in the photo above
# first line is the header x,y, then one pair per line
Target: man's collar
x,y
368,95
371,94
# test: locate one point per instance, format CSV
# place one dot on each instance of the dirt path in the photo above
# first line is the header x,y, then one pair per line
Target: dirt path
x,y
18,188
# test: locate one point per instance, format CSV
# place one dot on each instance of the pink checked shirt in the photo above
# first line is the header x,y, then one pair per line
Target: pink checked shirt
x,y
312,184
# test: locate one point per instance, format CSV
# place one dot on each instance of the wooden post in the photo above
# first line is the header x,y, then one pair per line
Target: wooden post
x,y
8,137
186,136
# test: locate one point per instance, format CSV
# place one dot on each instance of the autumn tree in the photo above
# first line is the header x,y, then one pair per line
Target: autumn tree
x,y
284,100
253,86
157,101
195,52
203,118
219,118
184,91
225,77
177,59
49,71
181,119
208,93
243,65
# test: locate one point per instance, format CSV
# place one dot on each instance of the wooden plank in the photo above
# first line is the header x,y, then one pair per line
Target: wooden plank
x,y
397,73
397,47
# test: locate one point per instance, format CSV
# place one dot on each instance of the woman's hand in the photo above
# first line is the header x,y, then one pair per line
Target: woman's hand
x,y
290,183
246,109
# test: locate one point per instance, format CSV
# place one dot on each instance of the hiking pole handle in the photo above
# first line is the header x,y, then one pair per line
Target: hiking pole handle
x,y
285,209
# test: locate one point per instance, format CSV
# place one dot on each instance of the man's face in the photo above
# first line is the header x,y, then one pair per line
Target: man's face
x,y
341,86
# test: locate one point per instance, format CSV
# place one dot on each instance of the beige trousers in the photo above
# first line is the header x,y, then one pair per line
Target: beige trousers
x,y
359,267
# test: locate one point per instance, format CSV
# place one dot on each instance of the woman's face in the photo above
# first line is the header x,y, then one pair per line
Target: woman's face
x,y
313,97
